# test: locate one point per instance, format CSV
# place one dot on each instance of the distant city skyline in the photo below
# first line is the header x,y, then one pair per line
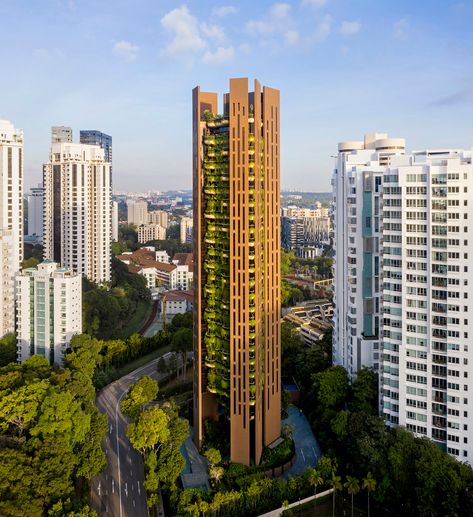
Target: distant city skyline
x,y
342,67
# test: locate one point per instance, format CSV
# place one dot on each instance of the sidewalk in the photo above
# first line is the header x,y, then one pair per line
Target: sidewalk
x,y
195,474
279,511
308,451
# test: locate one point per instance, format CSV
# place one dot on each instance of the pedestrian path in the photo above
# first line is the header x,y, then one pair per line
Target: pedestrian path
x,y
308,451
194,474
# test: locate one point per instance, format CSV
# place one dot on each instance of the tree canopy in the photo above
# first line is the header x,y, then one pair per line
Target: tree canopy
x,y
50,435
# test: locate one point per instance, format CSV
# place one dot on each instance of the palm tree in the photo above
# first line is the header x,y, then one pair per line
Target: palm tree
x,y
369,484
336,484
315,479
353,487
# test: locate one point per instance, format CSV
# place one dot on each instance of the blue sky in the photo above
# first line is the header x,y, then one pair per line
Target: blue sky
x,y
344,67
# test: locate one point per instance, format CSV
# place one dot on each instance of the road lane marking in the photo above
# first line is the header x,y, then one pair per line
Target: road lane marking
x,y
303,457
118,453
113,486
98,489
139,489
133,503
126,489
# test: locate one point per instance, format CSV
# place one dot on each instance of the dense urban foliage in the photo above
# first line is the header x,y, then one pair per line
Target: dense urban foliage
x,y
158,433
7,349
107,311
127,239
50,435
412,475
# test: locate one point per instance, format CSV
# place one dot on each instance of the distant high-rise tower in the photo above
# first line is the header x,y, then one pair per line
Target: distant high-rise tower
x,y
237,266
78,210
11,219
49,311
61,134
35,211
137,212
185,230
93,137
158,217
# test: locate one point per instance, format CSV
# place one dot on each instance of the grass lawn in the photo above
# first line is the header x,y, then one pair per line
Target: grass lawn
x,y
137,321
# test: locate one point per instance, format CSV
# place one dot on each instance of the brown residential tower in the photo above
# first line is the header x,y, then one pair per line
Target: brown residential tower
x,y
237,266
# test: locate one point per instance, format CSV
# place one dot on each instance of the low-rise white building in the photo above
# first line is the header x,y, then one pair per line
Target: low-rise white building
x,y
49,311
176,302
162,256
175,276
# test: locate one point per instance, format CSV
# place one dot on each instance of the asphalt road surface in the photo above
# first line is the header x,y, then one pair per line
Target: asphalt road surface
x,y
119,491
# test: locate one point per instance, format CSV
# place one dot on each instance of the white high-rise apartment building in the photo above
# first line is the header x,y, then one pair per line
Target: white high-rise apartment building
x,y
78,210
357,195
137,212
7,284
49,311
11,218
114,221
423,347
35,211
186,228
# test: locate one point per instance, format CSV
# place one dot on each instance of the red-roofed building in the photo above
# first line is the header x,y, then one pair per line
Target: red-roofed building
x,y
177,302
175,276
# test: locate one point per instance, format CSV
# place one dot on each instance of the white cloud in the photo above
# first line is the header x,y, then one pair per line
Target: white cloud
x,y
213,31
277,21
400,28
224,10
291,37
349,28
221,56
126,50
323,29
185,30
314,3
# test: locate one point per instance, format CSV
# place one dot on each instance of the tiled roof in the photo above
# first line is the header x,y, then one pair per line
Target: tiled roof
x,y
178,296
145,258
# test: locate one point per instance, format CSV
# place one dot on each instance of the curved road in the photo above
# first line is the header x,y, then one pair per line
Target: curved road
x,y
119,491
